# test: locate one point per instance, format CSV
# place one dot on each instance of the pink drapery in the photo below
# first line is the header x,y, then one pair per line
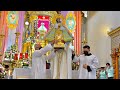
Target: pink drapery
x,y
4,31
20,29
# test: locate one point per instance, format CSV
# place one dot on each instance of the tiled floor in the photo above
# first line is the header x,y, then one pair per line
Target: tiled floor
x,y
48,74
74,74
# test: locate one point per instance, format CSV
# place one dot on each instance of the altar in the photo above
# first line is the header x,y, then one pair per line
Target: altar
x,y
22,73
25,73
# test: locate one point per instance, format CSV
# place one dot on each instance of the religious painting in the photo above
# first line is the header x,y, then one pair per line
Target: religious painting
x,y
70,21
43,26
43,21
12,19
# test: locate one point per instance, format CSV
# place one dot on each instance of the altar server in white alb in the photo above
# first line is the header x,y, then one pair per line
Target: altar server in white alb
x,y
39,61
88,64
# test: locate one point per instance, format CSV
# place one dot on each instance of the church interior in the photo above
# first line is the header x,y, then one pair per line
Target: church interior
x,y
21,30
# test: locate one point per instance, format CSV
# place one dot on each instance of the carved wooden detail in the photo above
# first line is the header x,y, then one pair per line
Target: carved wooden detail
x,y
115,37
115,46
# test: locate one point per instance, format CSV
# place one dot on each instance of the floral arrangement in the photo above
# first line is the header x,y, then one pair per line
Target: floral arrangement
x,y
26,63
2,73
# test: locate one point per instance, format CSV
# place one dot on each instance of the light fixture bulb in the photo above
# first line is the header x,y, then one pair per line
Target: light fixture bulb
x,y
26,23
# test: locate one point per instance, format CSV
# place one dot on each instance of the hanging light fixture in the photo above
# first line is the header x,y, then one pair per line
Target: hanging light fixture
x,y
27,19
26,23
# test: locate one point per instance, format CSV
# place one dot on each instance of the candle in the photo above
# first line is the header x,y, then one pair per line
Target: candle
x,y
16,57
21,56
26,55
9,73
84,37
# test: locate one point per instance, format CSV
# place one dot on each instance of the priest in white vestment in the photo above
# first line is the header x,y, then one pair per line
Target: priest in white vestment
x,y
88,64
61,64
39,61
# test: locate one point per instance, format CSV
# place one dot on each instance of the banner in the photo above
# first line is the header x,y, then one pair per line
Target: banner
x,y
12,19
71,21
45,20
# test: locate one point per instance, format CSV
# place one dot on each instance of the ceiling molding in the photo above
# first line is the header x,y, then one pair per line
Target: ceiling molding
x,y
117,30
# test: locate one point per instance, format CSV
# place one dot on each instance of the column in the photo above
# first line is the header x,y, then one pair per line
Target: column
x,y
83,31
77,40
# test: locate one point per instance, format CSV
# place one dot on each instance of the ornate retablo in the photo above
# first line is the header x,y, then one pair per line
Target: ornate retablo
x,y
34,14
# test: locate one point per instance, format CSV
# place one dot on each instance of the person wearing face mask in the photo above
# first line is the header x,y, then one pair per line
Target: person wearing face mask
x,y
38,70
88,64
103,73
110,71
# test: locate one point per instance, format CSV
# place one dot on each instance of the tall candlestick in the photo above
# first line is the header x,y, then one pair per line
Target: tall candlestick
x,y
16,40
9,73
84,37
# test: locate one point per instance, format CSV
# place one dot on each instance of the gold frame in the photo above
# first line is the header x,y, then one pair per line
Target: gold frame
x,y
71,14
12,26
58,16
114,31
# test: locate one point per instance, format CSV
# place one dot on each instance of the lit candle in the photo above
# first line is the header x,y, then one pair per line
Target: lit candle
x,y
16,57
9,73
26,55
21,56
84,36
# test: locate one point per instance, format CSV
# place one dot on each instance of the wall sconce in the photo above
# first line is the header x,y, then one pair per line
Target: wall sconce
x,y
108,30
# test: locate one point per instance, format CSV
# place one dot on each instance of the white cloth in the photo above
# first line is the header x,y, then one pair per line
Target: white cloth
x,y
110,71
39,62
22,73
1,66
92,61
61,65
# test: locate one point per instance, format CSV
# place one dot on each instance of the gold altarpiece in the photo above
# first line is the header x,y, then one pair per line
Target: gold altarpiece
x,y
33,15
115,50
